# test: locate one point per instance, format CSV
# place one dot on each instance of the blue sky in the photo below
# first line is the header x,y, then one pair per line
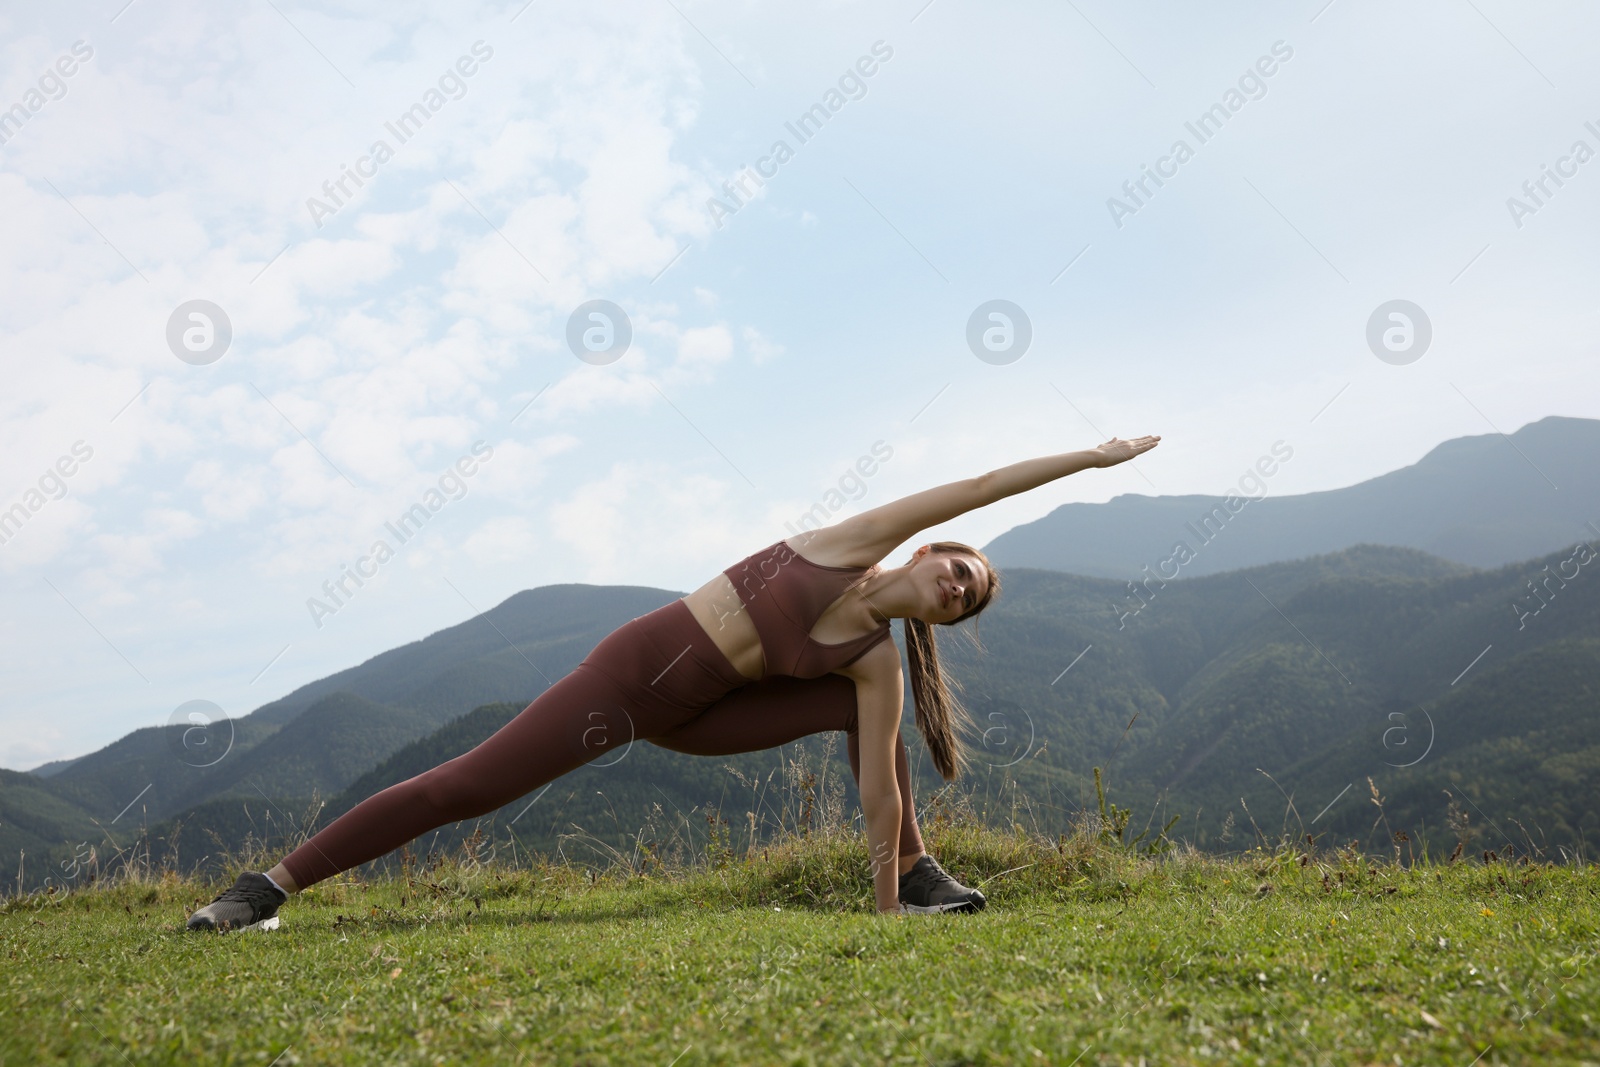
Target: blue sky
x,y
372,346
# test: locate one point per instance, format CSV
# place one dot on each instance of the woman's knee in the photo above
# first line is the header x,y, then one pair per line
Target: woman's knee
x,y
453,792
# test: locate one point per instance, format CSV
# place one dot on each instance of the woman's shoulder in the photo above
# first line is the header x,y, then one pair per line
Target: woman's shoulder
x,y
841,546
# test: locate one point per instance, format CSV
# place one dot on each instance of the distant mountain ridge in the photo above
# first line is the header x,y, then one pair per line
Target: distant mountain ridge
x,y
1484,501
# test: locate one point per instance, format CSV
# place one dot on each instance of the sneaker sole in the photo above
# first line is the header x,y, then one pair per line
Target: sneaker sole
x,y
265,924
936,909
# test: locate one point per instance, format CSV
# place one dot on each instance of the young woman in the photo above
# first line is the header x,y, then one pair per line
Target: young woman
x,y
790,641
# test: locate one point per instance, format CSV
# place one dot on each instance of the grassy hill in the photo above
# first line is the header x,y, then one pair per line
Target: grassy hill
x,y
1086,952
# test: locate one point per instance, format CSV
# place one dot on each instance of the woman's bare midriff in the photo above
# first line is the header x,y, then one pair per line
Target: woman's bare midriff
x,y
719,611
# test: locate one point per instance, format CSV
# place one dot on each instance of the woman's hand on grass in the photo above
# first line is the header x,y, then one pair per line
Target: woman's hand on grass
x,y
1117,450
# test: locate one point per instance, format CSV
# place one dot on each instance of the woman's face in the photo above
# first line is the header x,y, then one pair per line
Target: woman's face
x,y
952,583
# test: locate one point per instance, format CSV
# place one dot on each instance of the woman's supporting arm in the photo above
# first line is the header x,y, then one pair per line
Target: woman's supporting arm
x,y
880,695
882,811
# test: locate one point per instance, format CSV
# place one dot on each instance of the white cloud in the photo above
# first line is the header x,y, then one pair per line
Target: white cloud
x,y
761,350
642,520
507,539
704,346
128,555
227,497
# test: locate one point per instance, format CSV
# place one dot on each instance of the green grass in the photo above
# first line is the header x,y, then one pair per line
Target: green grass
x,y
1086,950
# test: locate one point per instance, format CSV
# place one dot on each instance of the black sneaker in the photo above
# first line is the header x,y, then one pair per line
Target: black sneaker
x,y
252,904
927,889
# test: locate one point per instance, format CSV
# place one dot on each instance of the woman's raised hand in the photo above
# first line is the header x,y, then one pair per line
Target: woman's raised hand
x,y
1117,450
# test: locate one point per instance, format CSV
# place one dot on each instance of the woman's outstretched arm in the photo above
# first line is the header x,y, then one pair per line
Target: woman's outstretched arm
x,y
884,528
1032,473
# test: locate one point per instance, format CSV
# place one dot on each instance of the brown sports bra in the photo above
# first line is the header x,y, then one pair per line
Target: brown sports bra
x,y
786,594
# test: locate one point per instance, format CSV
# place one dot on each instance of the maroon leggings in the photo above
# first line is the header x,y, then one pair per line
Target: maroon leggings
x,y
658,678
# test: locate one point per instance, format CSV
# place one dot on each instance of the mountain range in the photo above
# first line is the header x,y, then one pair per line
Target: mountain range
x,y
1485,501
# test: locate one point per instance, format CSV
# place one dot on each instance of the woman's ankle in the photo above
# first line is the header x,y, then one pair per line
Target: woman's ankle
x,y
909,861
280,877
